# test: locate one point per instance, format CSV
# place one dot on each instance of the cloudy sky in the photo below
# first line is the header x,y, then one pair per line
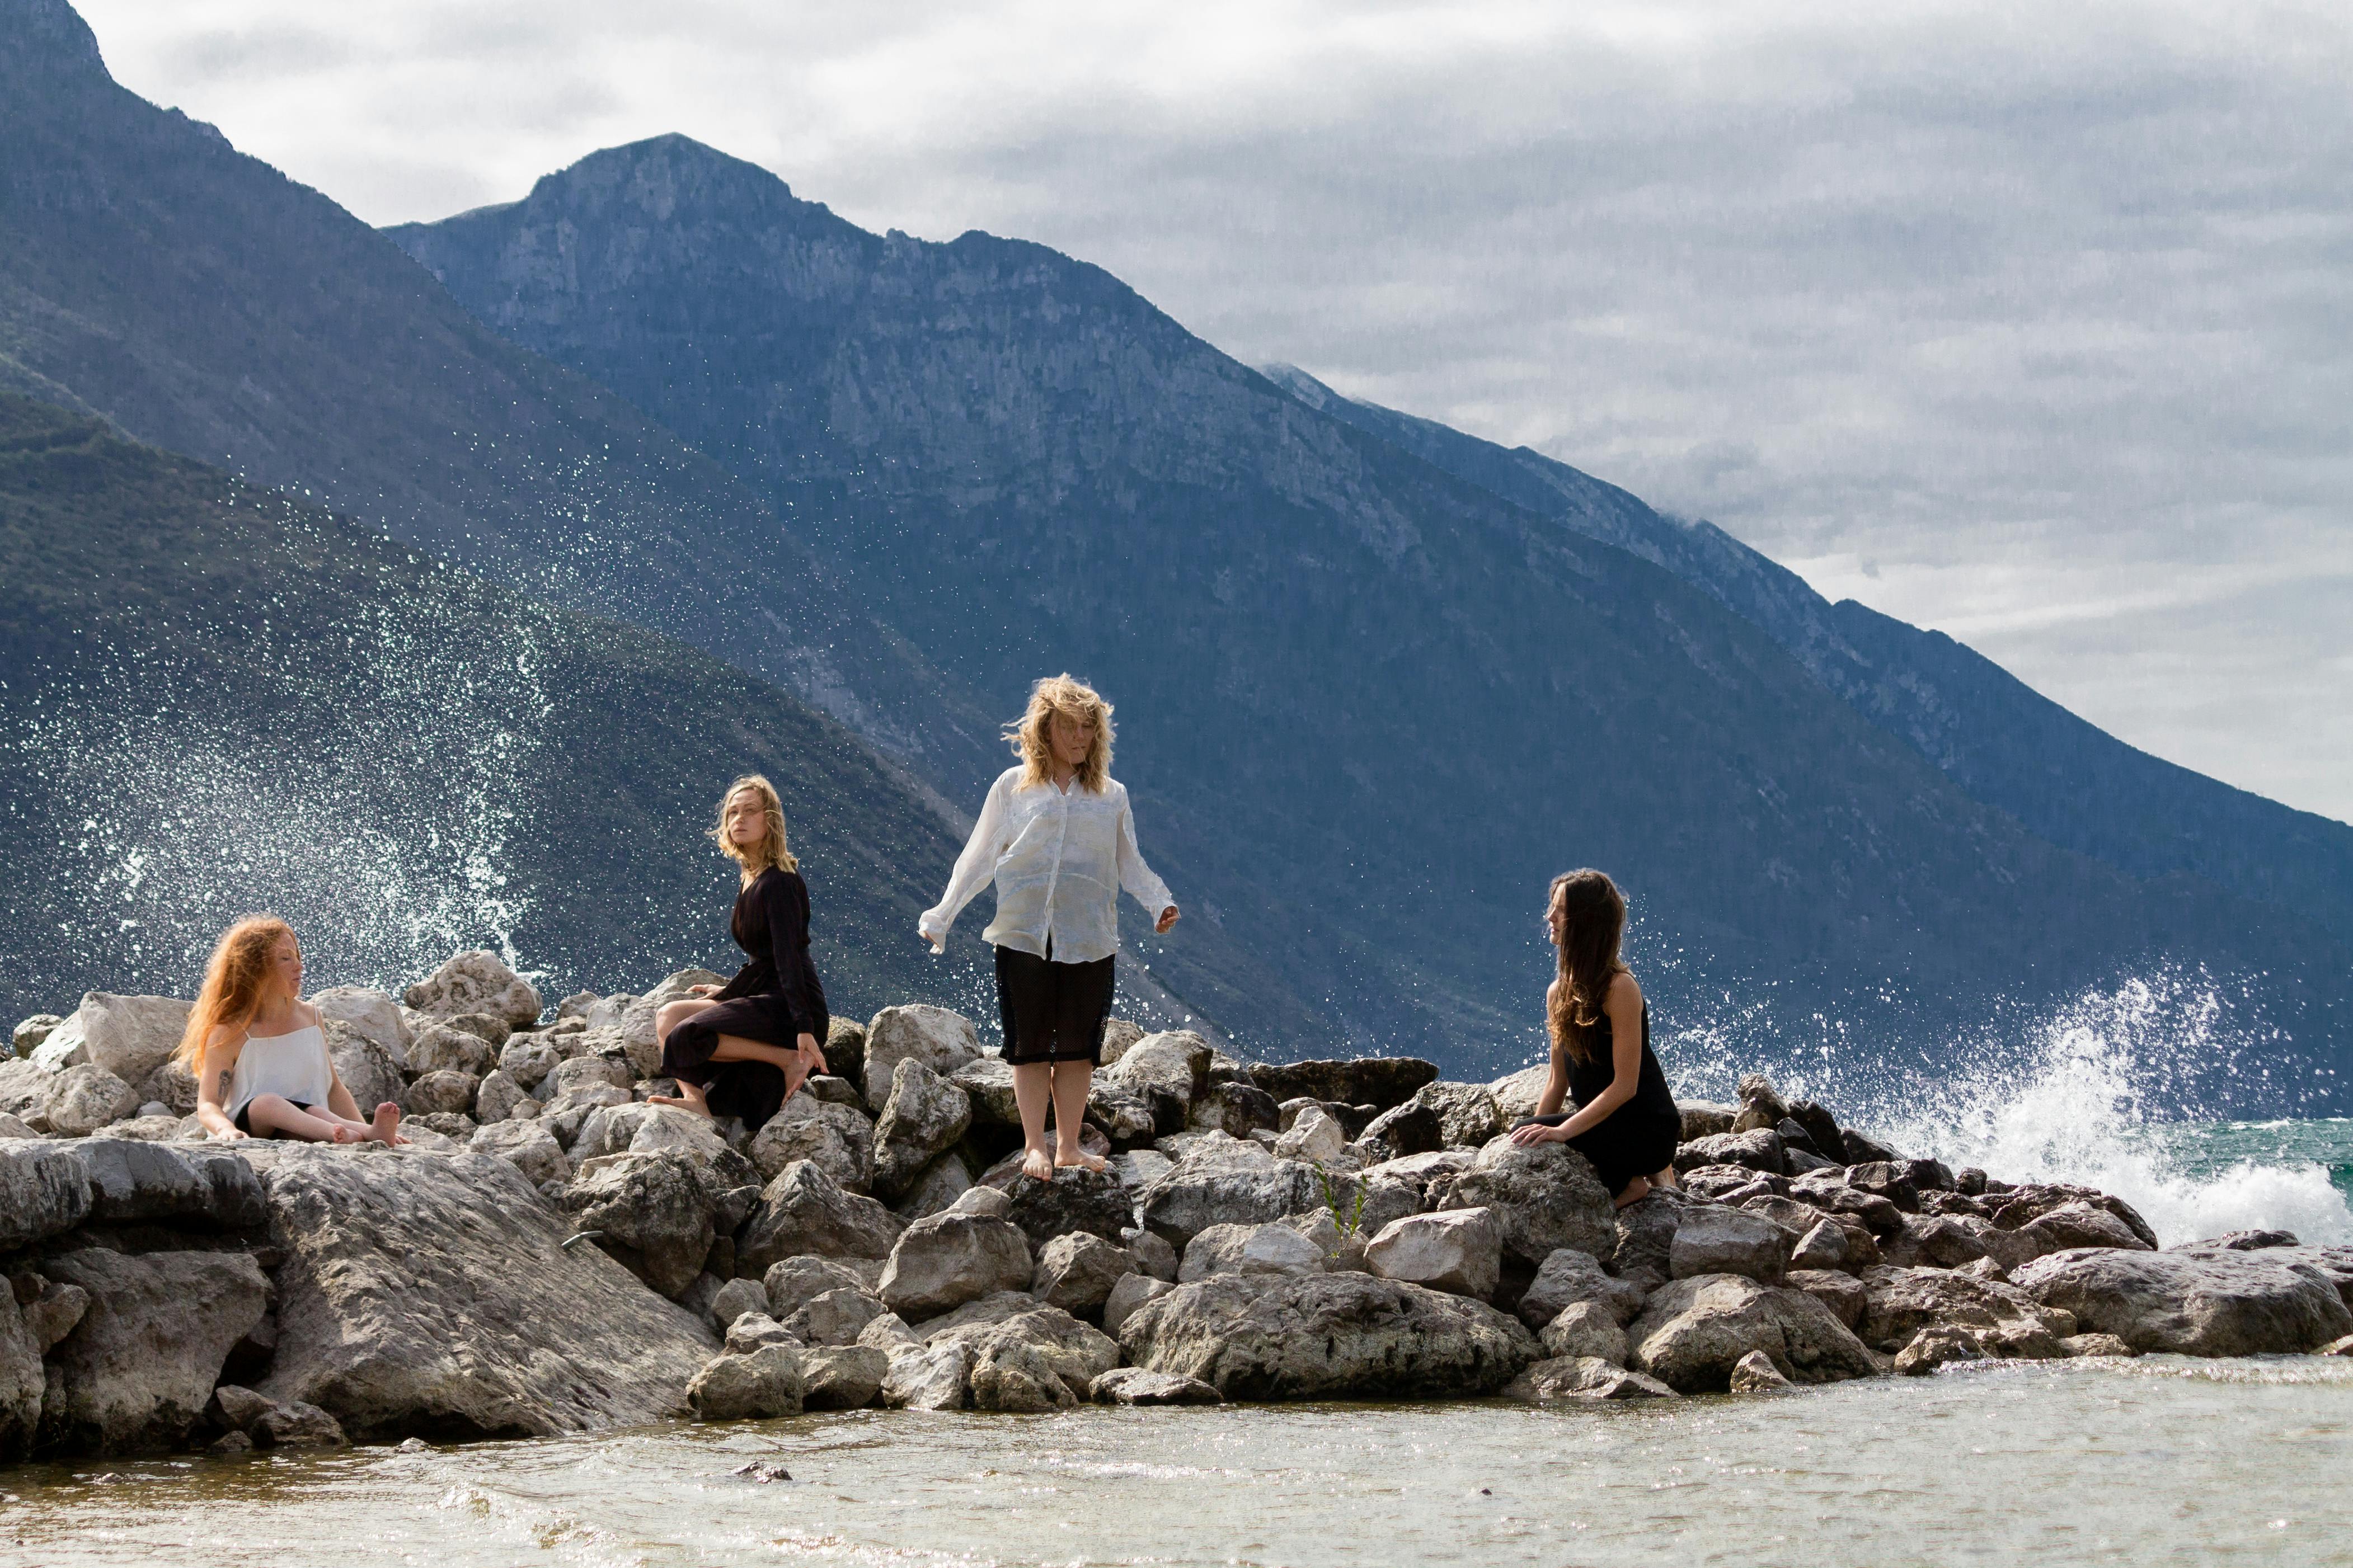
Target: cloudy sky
x,y
2031,323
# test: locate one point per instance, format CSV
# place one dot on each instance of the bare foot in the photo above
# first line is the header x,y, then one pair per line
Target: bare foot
x,y
681,1102
1037,1165
1636,1191
1083,1160
386,1127
345,1132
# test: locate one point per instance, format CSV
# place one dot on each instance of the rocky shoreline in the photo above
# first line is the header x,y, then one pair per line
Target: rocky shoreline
x,y
557,1255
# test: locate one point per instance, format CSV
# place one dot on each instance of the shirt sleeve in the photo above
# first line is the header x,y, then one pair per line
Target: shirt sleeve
x,y
1136,877
974,867
789,911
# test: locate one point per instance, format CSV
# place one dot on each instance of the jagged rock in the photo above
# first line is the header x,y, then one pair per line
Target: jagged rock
x,y
1077,1199
940,1040
172,1087
923,1115
942,1182
497,1099
1583,1377
582,1071
2225,1303
1038,1360
1312,1137
735,1299
128,1036
23,1086
1125,1119
1693,1332
1755,1373
455,1127
752,1330
1713,1239
1119,1036
1131,1291
490,1029
1586,1329
1760,1150
372,1073
441,1048
1235,1109
1468,1115
295,1425
806,1211
2108,1344
21,1380
13,1127
1821,1129
1544,1196
438,1093
651,1212
1942,1242
1460,1251
764,1384
929,1377
1567,1276
845,1056
992,1309
2080,1224
1890,1179
838,1138
1377,1081
988,1203
1405,1130
1320,1336
131,1182
1843,1294
1224,1181
942,1262
1076,1272
28,1033
1900,1302
140,1365
794,1282
637,1128
476,981
987,1083
1166,1071
842,1377
834,1316
528,1146
81,1100
1270,1248
1134,1386
528,1059
1939,1344
1518,1094
433,1294
51,1316
1822,1247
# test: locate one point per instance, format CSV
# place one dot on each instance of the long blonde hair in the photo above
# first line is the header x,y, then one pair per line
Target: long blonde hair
x,y
771,850
235,979
1072,699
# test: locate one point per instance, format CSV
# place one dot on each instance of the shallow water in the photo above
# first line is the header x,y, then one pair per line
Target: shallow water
x,y
2156,1460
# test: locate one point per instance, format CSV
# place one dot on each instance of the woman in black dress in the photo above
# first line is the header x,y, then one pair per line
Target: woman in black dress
x,y
744,1048
1625,1121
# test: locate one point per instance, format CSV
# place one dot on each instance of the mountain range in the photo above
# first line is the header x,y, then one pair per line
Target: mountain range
x,y
1377,679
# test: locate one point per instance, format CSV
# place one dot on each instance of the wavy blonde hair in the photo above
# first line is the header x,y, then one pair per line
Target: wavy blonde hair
x,y
772,849
235,978
1073,699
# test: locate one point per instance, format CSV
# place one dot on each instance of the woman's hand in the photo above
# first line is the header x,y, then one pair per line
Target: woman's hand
x,y
1168,917
930,940
705,990
812,1054
229,1136
1536,1133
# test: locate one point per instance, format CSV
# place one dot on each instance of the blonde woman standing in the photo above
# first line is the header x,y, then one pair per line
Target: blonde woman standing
x,y
1057,839
744,1048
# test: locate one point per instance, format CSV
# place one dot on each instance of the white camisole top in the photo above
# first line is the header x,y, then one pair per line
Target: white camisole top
x,y
293,1065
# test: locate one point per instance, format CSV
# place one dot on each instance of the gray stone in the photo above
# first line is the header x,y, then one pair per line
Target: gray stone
x,y
2080,1224
1076,1200
749,1331
487,1027
171,1089
140,1365
1236,1107
22,1381
1518,1094
81,1100
733,1300
923,1115
1153,1254
1042,1359
767,1383
806,1211
1131,1291
44,1192
497,1099
942,1183
1713,1239
940,1040
371,1015
1900,1302
1076,1272
528,1059
51,1316
948,1259
296,1426
834,1316
1586,1329
583,1071
1228,1180
23,1084
476,981
1760,1150
887,1332
132,1182
1135,1386
28,1033
989,1310
929,1377
987,1083
1942,1241
1822,1247
1468,1115
1377,1081
1542,1196
1939,1344
1567,1276
1755,1373
2109,1345
1843,1294
1272,1248
371,1073
2222,1304
441,1048
1460,1251
1312,1137
1587,1378
438,1093
1404,1129
794,1282
842,1377
128,1036
1324,1336
1125,1119
651,1212
988,1203
528,1146
1165,1072
1118,1035
1693,1332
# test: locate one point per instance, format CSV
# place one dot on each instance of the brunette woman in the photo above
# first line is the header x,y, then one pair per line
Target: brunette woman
x,y
1625,1121
745,1048
258,1050
1057,839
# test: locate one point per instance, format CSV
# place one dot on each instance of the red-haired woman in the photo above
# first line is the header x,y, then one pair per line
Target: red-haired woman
x,y
745,1048
260,1056
1625,1122
1057,839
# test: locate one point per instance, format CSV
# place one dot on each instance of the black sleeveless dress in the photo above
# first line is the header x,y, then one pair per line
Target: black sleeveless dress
x,y
776,998
1639,1138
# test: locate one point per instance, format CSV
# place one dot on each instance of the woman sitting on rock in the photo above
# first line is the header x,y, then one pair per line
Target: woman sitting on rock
x,y
1058,838
1625,1122
258,1050
745,1048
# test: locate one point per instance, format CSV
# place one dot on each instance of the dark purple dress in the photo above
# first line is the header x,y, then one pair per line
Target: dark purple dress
x,y
775,998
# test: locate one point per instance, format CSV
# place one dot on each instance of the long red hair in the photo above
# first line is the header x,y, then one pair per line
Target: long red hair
x,y
235,979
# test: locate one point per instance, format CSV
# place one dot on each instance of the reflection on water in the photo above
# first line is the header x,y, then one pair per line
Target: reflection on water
x,y
2157,1461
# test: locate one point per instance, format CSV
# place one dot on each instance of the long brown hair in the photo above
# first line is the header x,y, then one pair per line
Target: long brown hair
x,y
771,850
1032,743
1596,921
234,981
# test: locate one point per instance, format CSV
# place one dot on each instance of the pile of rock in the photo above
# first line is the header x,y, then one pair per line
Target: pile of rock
x,y
558,1254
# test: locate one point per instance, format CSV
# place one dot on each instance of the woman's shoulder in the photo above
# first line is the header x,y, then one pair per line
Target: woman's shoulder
x,y
777,878
1623,990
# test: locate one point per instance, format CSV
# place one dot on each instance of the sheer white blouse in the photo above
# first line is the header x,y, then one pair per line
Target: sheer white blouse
x,y
1060,859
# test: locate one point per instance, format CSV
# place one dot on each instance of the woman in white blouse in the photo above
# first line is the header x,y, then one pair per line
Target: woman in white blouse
x,y
1057,839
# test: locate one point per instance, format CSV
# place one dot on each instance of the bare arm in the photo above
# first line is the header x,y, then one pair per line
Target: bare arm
x,y
213,1071
1624,1006
1555,1089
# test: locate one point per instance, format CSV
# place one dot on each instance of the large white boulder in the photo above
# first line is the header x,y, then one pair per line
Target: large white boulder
x,y
1460,1251
476,981
129,1037
940,1040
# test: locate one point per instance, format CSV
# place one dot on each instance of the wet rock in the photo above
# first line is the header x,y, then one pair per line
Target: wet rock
x,y
81,1100
1760,1150
842,1377
767,1383
1543,1197
294,1425
1134,1386
1939,1243
440,1093
127,1037
929,1377
2080,1224
922,1115
2108,1344
1460,1251
1822,1130
1076,1272
1038,1360
1755,1373
651,1212
1583,1377
2227,1303
1586,1329
132,1182
2019,1206
52,1315
476,981
942,1182
834,1316
838,1138
139,1367
942,1262
806,1211
940,1040
1377,1081
1567,1276
1939,1344
1712,1239
1320,1336
433,1293
1843,1294
1900,1302
1130,1292
21,1380
794,1282
1693,1332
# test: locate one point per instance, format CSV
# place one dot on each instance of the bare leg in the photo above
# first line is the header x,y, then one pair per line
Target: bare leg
x,y
673,1014
1665,1178
275,1113
1071,1082
736,1048
386,1127
688,1098
1636,1191
1033,1087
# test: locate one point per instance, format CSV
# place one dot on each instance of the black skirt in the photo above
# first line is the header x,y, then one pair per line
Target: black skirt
x,y
1053,1012
1629,1142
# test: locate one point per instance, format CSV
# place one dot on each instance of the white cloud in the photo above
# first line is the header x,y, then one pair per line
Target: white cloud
x,y
2041,311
